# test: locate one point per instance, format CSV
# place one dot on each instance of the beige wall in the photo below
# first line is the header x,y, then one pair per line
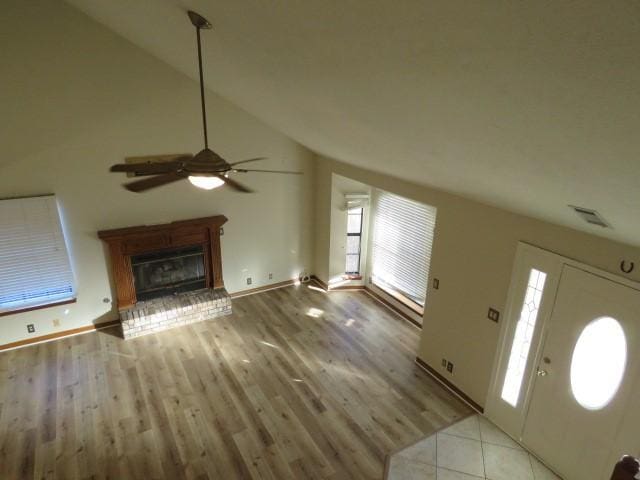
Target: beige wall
x,y
322,217
77,98
473,252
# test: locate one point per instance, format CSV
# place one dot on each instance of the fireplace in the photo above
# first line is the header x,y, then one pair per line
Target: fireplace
x,y
167,275
168,272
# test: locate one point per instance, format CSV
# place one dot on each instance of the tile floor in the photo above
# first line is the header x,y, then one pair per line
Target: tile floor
x,y
472,449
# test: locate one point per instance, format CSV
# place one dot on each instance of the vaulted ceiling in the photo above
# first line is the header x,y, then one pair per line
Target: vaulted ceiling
x,y
529,106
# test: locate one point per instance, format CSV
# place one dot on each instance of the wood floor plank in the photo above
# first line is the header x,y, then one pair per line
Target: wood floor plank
x,y
296,384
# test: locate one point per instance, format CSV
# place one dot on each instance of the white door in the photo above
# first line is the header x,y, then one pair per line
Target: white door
x,y
586,377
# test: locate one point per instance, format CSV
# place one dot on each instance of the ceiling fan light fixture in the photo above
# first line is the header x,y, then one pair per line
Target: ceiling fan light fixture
x,y
206,170
206,183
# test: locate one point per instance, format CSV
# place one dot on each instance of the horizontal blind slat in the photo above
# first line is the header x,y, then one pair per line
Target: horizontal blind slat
x,y
34,263
402,243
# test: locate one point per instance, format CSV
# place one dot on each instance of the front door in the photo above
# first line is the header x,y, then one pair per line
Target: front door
x,y
585,381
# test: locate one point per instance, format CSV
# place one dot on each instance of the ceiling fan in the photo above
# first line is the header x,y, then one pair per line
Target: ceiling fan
x,y
206,169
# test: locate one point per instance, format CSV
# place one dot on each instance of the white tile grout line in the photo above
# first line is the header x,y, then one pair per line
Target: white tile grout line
x,y
462,438
517,448
457,471
436,434
484,467
533,472
544,465
482,442
393,453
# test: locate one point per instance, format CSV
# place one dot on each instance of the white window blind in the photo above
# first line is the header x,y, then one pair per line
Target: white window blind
x,y
34,264
402,241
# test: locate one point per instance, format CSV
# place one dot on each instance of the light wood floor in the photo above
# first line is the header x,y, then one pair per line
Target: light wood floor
x,y
296,384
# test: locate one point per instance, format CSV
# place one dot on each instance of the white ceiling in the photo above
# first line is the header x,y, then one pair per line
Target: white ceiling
x,y
529,106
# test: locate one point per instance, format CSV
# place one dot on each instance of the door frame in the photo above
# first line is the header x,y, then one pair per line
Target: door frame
x,y
512,419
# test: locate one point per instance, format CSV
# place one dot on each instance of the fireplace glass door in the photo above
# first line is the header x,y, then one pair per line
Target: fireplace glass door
x,y
169,272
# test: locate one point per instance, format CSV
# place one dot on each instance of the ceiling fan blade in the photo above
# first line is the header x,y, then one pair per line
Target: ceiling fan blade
x,y
235,185
153,182
242,170
158,158
152,164
248,160
146,168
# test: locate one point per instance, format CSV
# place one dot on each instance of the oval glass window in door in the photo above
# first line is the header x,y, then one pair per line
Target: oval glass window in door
x,y
598,363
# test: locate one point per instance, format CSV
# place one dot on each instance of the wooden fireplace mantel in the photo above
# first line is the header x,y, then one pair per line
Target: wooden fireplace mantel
x,y
125,242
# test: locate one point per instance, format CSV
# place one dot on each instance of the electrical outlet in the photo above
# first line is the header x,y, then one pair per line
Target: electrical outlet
x,y
31,328
444,362
449,367
493,314
248,280
271,276
436,284
56,322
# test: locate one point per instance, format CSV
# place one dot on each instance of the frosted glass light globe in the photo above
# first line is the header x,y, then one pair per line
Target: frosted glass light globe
x,y
206,183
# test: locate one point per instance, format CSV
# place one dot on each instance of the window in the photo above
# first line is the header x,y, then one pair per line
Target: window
x,y
522,338
34,264
598,363
354,240
402,239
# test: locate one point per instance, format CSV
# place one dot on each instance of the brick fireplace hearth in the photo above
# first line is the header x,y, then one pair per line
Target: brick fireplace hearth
x,y
166,312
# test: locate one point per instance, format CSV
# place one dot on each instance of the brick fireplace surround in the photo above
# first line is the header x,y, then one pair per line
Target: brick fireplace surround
x,y
142,317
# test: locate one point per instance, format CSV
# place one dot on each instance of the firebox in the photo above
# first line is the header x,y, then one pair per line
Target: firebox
x,y
168,272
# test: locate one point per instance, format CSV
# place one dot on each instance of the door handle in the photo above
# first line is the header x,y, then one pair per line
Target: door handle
x,y
541,373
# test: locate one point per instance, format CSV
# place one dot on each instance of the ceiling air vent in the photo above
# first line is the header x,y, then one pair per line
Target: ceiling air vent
x,y
590,216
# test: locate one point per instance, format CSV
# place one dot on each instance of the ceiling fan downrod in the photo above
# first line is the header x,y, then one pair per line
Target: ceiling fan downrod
x,y
200,22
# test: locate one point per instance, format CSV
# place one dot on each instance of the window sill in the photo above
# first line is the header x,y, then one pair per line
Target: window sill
x,y
410,304
352,276
57,303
